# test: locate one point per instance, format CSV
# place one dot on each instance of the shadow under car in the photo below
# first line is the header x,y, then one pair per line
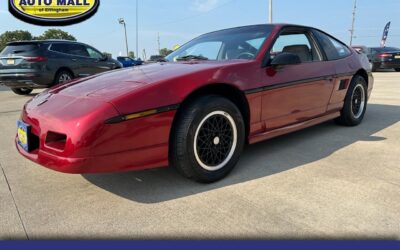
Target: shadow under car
x,y
259,160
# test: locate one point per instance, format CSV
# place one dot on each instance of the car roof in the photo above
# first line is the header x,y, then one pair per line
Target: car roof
x,y
272,26
43,41
264,25
243,28
383,48
280,25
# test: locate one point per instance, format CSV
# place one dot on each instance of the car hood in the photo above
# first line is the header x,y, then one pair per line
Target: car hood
x,y
110,85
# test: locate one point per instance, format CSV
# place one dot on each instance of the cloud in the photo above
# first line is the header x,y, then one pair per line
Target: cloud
x,y
3,11
205,5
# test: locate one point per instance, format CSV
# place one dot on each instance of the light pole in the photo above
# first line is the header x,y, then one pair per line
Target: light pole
x,y
122,21
270,11
158,42
353,22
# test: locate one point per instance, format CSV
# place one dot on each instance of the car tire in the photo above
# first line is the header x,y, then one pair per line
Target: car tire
x,y
63,76
355,103
22,91
398,69
207,139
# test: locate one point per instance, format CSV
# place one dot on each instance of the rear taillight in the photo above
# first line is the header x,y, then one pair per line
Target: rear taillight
x,y
36,59
384,55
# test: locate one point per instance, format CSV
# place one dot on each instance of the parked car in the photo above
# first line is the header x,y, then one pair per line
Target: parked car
x,y
129,62
27,65
156,58
198,109
384,58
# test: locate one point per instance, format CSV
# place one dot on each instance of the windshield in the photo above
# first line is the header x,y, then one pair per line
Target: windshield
x,y
230,44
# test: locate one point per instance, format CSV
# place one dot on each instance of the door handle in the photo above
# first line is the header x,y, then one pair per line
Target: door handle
x,y
74,59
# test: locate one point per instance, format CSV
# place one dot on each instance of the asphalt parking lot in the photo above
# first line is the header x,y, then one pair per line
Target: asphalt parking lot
x,y
323,182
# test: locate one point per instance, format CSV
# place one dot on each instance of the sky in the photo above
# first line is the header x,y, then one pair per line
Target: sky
x,y
178,21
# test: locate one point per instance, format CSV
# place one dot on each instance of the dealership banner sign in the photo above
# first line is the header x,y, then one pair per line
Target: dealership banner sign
x,y
385,35
53,12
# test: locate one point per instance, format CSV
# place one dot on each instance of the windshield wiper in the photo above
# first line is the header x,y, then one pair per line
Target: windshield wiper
x,y
191,57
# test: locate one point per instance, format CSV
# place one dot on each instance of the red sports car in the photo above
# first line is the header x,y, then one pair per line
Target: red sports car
x,y
198,108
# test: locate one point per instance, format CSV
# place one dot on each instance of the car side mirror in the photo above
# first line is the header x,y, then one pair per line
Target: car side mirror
x,y
285,59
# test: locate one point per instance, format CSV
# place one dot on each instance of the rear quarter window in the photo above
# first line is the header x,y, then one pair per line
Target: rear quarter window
x,y
334,49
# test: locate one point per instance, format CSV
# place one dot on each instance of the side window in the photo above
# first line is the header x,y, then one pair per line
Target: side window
x,y
341,49
334,49
296,43
59,47
94,53
77,50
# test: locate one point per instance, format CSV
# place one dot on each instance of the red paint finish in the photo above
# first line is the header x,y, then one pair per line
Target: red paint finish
x,y
94,147
292,128
79,109
299,102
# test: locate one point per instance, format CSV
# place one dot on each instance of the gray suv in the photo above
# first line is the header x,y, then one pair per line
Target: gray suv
x,y
27,65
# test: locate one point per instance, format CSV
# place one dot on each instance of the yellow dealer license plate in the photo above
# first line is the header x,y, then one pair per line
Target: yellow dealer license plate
x,y
10,61
23,135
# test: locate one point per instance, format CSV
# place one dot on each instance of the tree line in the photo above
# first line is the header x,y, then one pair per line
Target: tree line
x,y
23,35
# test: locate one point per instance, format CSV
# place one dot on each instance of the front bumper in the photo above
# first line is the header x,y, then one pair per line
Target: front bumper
x,y
91,146
124,161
